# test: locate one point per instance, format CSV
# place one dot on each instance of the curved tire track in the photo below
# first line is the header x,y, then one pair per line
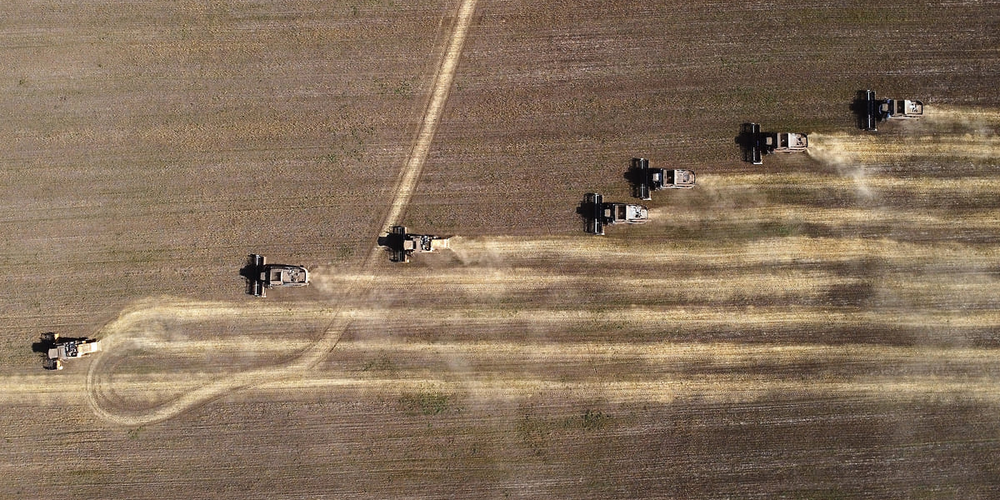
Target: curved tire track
x,y
96,383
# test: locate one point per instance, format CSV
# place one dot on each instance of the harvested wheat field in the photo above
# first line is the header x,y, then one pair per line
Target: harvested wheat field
x,y
823,325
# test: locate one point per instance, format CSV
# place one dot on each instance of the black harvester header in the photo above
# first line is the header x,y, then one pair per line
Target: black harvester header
x,y
594,208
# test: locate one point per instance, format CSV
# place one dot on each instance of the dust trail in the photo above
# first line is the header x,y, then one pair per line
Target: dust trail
x,y
959,185
943,132
848,152
780,251
403,192
979,121
848,155
922,220
716,389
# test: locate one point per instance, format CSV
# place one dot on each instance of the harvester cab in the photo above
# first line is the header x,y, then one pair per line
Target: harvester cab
x,y
262,276
401,244
646,180
756,144
873,110
599,213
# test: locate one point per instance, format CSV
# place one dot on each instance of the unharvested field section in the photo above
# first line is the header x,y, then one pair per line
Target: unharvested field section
x,y
150,148
554,98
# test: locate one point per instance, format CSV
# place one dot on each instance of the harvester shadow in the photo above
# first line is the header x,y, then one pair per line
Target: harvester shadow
x,y
746,140
247,273
44,344
859,108
392,242
586,210
634,178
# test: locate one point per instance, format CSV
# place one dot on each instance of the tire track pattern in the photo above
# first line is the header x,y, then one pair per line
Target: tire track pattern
x,y
97,382
858,315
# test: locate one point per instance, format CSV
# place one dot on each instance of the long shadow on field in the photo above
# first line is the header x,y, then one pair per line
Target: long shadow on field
x,y
247,273
48,341
747,141
43,345
41,348
634,177
250,272
587,210
393,243
859,108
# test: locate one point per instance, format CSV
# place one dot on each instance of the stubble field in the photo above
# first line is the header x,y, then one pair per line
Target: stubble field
x,y
820,326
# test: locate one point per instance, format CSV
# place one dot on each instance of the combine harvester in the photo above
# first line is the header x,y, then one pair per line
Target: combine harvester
x,y
875,110
756,144
67,349
262,276
401,244
599,213
653,179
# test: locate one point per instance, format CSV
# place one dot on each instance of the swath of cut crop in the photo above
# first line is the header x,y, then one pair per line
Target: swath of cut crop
x,y
627,372
944,132
912,290
769,251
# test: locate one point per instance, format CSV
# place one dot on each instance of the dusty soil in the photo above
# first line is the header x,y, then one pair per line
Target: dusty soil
x,y
821,326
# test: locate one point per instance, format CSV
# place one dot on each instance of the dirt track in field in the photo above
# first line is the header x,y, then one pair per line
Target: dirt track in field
x,y
725,371
917,287
315,353
432,116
